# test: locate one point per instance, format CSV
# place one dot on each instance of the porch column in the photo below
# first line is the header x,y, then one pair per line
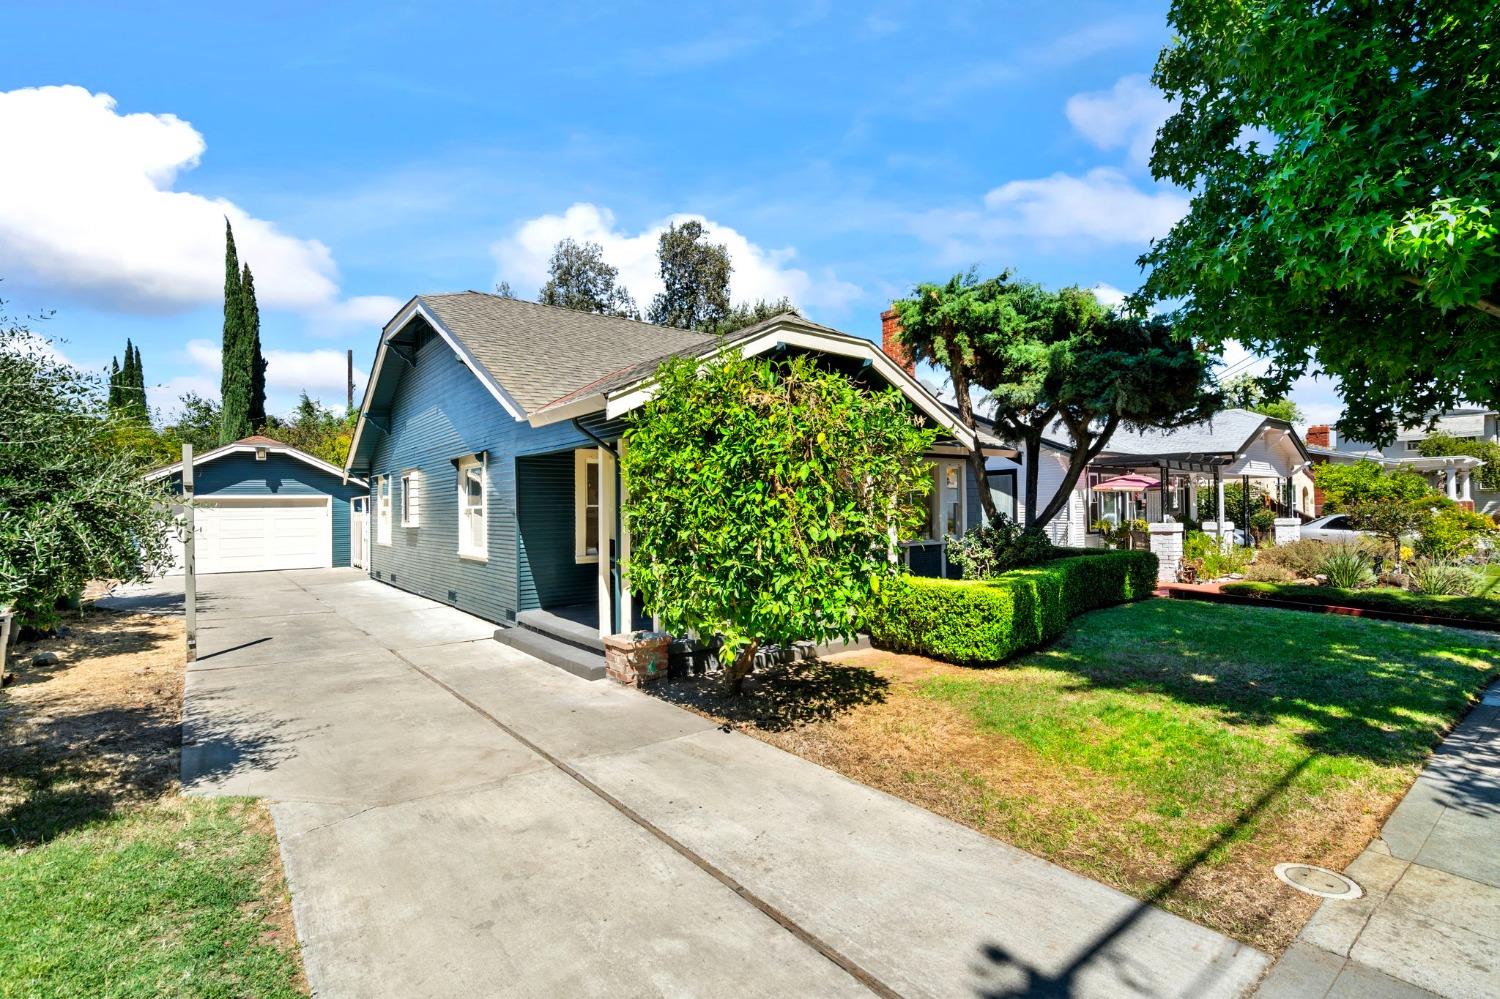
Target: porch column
x,y
1450,477
1219,510
1467,495
627,601
606,540
1192,510
1161,507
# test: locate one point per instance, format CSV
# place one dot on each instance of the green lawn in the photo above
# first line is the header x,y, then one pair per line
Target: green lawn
x,y
1175,749
111,883
160,899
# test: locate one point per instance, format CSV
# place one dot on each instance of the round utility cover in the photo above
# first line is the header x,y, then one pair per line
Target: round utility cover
x,y
1318,881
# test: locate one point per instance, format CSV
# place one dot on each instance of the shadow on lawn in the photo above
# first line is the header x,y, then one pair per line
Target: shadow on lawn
x,y
783,696
1109,947
1374,689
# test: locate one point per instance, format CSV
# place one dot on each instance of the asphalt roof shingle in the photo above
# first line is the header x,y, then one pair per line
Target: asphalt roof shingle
x,y
539,353
1224,432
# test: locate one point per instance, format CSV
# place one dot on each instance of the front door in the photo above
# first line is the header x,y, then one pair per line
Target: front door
x,y
359,532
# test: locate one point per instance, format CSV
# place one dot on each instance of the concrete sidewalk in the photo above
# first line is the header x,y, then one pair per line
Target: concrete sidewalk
x,y
458,818
1429,923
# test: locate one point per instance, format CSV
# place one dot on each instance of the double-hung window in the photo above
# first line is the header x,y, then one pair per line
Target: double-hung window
x,y
585,506
411,498
473,539
383,510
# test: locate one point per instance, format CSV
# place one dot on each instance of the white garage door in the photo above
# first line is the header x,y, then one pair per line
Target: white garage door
x,y
255,535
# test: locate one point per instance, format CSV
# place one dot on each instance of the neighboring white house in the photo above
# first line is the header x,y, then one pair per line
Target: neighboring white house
x,y
1452,474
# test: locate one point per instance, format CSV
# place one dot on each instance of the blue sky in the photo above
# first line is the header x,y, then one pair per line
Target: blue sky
x,y
370,152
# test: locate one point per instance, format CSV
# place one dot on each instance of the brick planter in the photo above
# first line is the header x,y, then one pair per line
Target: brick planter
x,y
636,658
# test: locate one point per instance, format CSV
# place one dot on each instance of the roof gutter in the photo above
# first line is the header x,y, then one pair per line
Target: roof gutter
x,y
578,425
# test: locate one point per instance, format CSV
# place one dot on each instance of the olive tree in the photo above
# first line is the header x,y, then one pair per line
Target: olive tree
x,y
766,500
73,505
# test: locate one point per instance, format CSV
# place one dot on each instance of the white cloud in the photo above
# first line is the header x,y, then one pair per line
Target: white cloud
x,y
1102,206
1108,295
88,207
320,373
758,272
1125,116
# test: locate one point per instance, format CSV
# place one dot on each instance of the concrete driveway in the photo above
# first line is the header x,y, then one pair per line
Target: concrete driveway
x,y
458,819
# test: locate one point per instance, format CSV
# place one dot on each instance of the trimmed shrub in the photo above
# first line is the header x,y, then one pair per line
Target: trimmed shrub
x,y
1269,572
992,549
1382,598
989,620
1302,558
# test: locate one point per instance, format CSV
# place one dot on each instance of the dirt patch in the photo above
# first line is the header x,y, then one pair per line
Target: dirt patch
x,y
97,730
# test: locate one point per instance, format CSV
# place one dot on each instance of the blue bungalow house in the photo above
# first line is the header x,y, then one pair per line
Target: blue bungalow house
x,y
489,433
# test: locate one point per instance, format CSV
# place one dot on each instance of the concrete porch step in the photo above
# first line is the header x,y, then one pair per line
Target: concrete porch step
x,y
564,655
562,628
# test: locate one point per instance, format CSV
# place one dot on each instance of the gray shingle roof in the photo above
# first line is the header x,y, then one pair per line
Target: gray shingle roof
x,y
539,353
1224,432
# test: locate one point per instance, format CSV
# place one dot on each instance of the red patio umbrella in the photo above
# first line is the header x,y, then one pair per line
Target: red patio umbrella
x,y
1131,483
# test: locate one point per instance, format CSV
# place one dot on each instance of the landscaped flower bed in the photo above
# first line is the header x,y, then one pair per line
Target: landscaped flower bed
x,y
1475,610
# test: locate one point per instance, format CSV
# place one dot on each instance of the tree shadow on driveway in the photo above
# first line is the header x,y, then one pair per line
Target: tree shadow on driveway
x,y
781,696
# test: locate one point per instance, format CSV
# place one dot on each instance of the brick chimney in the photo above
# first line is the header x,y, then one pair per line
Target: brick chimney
x,y
890,341
1319,436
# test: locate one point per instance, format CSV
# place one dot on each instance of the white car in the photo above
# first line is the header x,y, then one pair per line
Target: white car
x,y
1333,527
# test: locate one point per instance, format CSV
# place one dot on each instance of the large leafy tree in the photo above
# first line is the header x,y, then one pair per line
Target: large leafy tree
x,y
749,313
237,380
1050,362
75,506
766,500
322,432
1248,392
1343,159
695,278
579,278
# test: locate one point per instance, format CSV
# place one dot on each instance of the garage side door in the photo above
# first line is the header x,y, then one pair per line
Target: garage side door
x,y
257,535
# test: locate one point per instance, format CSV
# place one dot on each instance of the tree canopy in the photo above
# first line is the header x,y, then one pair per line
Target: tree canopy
x,y
75,505
766,500
1248,392
127,385
580,279
1343,162
242,386
750,313
321,432
1054,360
695,276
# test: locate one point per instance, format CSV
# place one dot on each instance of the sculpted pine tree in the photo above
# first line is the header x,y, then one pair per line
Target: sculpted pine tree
x,y
581,280
695,275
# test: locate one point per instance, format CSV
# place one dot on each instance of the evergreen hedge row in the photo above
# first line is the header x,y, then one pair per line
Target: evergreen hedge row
x,y
985,621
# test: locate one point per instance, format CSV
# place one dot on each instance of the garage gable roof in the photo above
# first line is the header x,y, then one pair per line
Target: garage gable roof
x,y
249,445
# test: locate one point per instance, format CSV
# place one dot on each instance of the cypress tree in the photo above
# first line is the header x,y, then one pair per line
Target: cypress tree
x,y
234,387
136,403
114,383
257,361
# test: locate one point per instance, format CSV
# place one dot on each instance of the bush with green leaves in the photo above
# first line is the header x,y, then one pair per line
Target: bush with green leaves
x,y
73,505
1453,532
1269,572
1436,578
999,546
1262,523
1348,568
987,621
766,499
1303,558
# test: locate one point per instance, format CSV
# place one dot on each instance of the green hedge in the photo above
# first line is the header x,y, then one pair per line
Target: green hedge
x,y
1400,601
988,620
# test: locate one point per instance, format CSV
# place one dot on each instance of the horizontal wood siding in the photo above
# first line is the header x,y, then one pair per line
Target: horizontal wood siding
x,y
439,413
549,575
278,475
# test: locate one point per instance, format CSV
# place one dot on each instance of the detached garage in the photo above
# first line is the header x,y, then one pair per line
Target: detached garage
x,y
263,505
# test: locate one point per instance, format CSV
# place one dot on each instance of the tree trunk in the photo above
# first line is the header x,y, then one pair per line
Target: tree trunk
x,y
736,671
1083,453
966,415
1033,446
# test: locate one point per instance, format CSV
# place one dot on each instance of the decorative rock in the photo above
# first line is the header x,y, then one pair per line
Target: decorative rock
x,y
45,659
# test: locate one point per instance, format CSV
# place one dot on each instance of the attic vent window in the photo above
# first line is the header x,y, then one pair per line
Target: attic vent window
x,y
260,453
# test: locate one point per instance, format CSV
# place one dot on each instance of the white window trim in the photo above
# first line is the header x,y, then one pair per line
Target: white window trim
x,y
582,459
383,510
466,550
411,498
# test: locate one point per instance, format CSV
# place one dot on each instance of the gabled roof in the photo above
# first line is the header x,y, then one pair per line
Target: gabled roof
x,y
538,353
1227,431
249,445
545,364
